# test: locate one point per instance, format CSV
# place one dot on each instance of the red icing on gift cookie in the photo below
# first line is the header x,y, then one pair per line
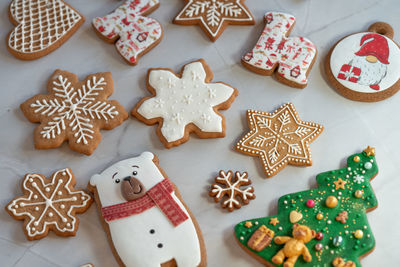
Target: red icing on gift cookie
x,y
132,32
293,56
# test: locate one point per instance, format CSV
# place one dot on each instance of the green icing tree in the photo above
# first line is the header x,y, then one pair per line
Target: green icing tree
x,y
333,230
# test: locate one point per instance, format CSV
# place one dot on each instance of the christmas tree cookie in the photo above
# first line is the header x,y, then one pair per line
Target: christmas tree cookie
x,y
325,226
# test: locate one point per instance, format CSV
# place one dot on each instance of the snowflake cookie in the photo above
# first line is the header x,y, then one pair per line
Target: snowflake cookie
x,y
41,27
49,204
214,16
184,103
279,138
74,111
230,187
133,33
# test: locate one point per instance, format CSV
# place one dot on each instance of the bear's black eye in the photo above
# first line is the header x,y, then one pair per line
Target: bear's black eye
x,y
134,173
117,180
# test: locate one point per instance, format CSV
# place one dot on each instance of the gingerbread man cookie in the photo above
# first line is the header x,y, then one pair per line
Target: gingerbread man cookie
x,y
133,33
49,204
290,58
184,103
279,138
41,27
214,16
365,66
74,111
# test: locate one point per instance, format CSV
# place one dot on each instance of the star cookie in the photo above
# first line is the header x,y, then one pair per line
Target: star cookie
x,y
49,204
279,138
41,27
214,16
185,103
74,111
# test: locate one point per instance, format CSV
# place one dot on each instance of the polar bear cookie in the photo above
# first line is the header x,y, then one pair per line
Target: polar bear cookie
x,y
147,223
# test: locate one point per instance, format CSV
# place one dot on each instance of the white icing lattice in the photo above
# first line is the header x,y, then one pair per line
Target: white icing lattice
x,y
41,24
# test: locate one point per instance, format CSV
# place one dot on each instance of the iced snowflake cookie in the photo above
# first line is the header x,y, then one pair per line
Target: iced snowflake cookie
x,y
279,138
49,204
290,58
214,16
184,103
365,66
41,27
133,33
228,187
74,111
325,226
146,220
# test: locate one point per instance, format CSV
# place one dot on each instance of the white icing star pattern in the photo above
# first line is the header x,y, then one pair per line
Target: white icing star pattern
x,y
279,138
49,204
188,101
213,14
358,179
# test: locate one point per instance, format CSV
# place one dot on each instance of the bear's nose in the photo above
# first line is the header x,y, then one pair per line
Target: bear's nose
x,y
128,178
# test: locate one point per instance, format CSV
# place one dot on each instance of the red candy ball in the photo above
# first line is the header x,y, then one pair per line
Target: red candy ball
x,y
310,203
319,236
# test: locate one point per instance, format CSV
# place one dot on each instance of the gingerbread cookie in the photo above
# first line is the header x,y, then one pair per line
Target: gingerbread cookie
x,y
184,103
279,138
49,204
305,232
74,111
146,221
365,66
214,16
133,33
230,189
290,58
41,27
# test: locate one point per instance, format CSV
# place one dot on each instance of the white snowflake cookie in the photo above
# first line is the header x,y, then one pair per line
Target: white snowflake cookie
x,y
49,204
185,103
214,16
74,111
229,186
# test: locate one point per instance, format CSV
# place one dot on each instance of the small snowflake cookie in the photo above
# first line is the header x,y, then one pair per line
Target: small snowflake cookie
x,y
290,58
365,66
144,217
229,188
74,111
214,16
279,138
41,27
133,33
184,103
49,204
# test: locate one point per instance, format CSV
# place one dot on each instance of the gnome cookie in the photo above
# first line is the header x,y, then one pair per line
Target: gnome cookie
x,y
146,221
365,66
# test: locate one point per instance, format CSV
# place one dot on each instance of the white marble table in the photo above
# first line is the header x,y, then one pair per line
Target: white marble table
x,y
349,127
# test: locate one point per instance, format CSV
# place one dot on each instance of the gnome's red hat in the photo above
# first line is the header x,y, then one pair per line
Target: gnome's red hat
x,y
377,47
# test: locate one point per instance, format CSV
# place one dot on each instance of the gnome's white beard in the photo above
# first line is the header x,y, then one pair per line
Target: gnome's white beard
x,y
371,73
